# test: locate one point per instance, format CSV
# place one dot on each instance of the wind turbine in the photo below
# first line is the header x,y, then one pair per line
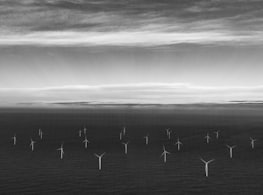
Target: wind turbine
x,y
39,131
14,139
124,131
85,130
168,132
146,139
61,149
206,165
164,154
99,157
231,150
217,134
207,137
252,142
32,143
125,147
80,132
86,141
41,135
121,135
178,143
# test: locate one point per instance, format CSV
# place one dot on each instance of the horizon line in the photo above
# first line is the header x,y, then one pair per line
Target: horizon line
x,y
130,85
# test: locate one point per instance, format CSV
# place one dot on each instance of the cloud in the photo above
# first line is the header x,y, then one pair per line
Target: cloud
x,y
147,22
144,93
123,38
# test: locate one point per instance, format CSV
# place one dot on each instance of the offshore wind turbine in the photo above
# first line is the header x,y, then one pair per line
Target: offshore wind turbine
x,y
99,157
217,134
146,139
168,133
41,134
121,135
85,130
231,150
14,139
61,149
86,141
207,137
252,142
124,131
125,147
32,143
206,165
178,143
164,154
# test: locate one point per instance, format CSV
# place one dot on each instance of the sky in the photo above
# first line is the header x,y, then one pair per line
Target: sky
x,y
131,51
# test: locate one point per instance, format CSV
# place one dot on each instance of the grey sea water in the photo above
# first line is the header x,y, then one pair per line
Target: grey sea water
x,y
142,171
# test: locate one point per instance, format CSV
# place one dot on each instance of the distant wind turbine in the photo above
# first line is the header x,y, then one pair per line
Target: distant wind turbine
x,y
85,130
121,135
206,165
99,157
86,141
164,154
41,135
231,150
124,131
178,143
217,134
252,142
61,149
14,139
125,147
168,133
32,143
207,137
146,139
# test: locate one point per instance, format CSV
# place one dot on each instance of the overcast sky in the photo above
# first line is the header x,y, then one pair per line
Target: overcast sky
x,y
196,44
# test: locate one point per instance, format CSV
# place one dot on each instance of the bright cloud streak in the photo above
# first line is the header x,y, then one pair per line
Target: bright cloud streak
x,y
144,93
125,38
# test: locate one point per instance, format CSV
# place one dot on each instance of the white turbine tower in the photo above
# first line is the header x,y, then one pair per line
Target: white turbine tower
x,y
164,154
169,134
252,142
121,135
85,130
206,165
124,131
125,147
167,131
178,143
217,134
207,137
86,141
32,143
61,149
99,157
146,139
41,134
14,139
231,150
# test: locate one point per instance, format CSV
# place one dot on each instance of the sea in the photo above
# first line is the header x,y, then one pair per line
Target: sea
x,y
142,170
